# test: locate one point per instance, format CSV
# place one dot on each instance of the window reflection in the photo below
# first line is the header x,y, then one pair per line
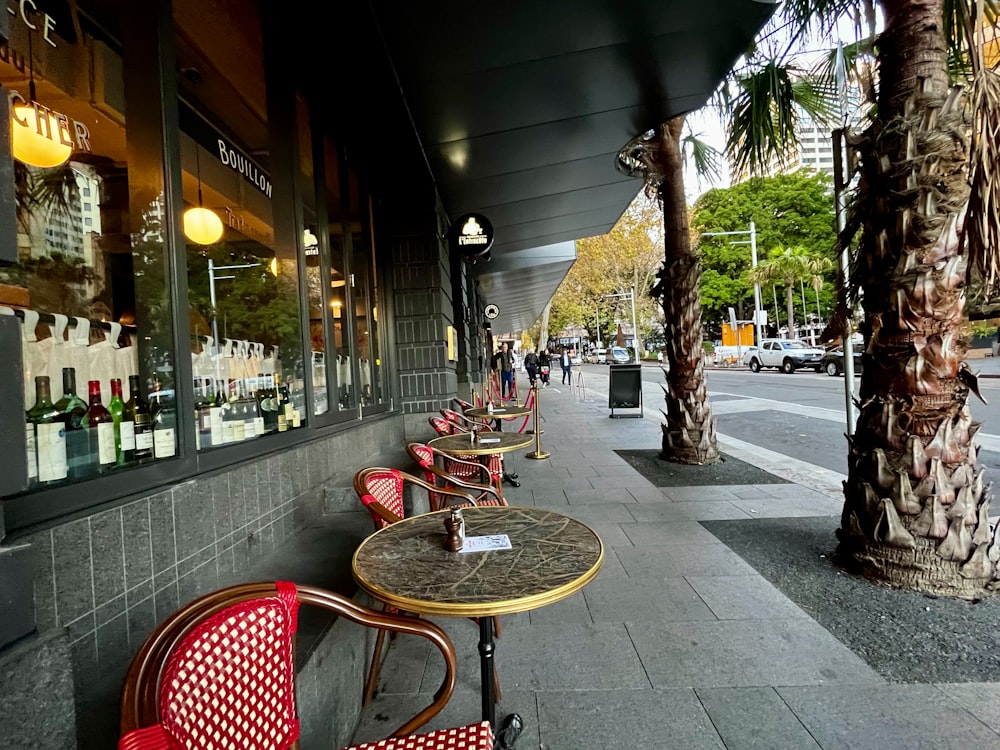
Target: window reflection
x,y
246,353
90,284
340,315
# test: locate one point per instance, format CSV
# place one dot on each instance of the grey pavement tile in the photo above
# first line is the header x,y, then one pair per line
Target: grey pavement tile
x,y
910,717
109,555
754,719
735,653
73,570
573,609
560,656
744,598
669,561
644,492
624,720
597,514
982,700
712,510
672,599
750,491
790,491
691,494
658,533
665,511
608,483
617,494
612,568
138,543
790,507
611,535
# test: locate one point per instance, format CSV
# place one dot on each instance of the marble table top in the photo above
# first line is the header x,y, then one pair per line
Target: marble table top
x,y
507,411
461,445
406,565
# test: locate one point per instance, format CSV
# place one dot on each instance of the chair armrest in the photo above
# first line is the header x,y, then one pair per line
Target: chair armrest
x,y
479,489
400,624
477,465
377,509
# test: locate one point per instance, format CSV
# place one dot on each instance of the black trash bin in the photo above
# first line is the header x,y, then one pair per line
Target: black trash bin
x,y
625,390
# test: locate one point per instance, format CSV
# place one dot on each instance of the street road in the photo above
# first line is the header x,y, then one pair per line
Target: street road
x,y
799,415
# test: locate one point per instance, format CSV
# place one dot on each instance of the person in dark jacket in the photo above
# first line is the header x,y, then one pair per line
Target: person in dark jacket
x,y
503,363
544,364
531,365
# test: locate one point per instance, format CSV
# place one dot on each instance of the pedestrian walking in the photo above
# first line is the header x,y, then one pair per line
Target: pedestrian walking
x,y
531,365
567,366
544,365
503,363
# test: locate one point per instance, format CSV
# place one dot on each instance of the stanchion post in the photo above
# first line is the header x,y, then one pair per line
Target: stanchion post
x,y
538,453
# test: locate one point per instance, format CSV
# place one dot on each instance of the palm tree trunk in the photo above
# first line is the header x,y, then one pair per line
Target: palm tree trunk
x,y
916,509
689,433
790,309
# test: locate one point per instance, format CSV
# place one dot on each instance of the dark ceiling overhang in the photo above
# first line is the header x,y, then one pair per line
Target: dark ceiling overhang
x,y
520,109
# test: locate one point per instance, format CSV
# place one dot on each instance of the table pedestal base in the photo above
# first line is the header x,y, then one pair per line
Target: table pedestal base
x,y
507,733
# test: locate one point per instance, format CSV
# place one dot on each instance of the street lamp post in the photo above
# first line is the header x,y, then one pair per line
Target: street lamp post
x,y
753,264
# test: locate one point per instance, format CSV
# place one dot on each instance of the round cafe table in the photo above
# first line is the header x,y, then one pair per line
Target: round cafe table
x,y
489,442
407,566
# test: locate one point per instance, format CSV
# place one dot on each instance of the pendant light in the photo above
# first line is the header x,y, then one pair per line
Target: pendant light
x,y
38,137
201,225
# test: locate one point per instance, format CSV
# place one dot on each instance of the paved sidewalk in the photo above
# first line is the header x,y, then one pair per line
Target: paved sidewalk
x,y
678,643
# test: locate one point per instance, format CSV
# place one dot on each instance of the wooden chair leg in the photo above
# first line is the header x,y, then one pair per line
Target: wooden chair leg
x,y
496,626
496,686
371,682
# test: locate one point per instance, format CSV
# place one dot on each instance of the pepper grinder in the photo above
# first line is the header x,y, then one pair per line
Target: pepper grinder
x,y
454,525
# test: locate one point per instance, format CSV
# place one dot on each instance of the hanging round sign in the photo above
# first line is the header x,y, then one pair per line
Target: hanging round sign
x,y
471,235
491,312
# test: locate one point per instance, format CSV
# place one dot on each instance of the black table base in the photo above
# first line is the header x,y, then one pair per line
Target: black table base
x,y
507,733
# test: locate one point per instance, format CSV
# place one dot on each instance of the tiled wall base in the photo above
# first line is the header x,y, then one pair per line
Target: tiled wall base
x,y
106,580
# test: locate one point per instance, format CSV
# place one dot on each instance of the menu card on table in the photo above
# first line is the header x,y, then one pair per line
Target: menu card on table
x,y
486,543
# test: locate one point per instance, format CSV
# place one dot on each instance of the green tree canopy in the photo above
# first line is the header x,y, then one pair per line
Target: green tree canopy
x,y
625,258
788,210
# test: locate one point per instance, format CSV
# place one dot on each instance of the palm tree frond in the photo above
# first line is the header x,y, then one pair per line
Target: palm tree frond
x,y
707,159
982,222
762,127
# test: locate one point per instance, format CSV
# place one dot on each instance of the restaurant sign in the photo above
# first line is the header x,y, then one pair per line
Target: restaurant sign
x,y
471,235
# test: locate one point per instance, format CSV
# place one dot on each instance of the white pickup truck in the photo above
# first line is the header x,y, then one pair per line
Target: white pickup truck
x,y
788,355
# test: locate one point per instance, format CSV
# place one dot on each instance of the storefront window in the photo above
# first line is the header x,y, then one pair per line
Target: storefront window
x,y
370,389
244,305
340,316
90,284
311,250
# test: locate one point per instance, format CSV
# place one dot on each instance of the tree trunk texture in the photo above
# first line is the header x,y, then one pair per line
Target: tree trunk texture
x,y
689,433
916,504
790,309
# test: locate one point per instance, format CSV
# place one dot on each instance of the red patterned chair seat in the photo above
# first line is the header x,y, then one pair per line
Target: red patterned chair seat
x,y
219,674
462,738
465,474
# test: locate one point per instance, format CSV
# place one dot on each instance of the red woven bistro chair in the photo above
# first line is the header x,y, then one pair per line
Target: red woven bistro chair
x,y
492,461
462,404
443,427
219,674
466,423
457,473
381,491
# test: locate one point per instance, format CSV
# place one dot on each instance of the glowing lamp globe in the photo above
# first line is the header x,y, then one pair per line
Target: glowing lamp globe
x,y
37,144
202,225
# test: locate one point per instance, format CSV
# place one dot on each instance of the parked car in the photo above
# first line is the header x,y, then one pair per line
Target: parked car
x,y
620,355
833,362
786,354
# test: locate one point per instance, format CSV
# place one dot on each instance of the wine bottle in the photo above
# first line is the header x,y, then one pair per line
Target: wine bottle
x,y
100,425
137,411
164,426
124,427
72,407
47,448
284,406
